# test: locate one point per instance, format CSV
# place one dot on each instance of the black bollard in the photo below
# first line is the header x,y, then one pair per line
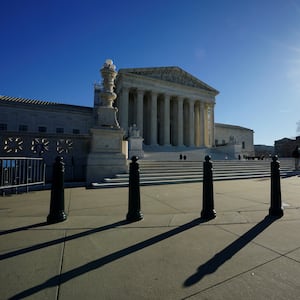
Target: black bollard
x,y
208,212
276,209
134,201
57,202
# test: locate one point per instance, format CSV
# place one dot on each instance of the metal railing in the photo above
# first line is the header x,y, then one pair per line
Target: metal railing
x,y
18,172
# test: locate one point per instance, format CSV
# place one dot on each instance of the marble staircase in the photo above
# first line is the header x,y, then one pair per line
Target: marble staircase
x,y
172,172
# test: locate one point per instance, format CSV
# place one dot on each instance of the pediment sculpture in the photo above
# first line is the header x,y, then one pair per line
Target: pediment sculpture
x,y
171,74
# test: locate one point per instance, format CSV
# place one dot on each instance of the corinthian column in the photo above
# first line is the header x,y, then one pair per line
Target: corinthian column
x,y
180,121
206,128
167,120
139,110
153,139
191,123
212,120
124,108
202,126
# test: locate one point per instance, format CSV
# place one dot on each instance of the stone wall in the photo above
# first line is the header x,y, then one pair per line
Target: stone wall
x,y
33,128
24,115
235,135
74,149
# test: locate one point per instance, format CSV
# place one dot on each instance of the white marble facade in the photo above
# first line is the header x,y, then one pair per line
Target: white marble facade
x,y
169,106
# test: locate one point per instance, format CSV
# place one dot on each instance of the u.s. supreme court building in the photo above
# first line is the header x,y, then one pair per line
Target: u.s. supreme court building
x,y
168,106
169,110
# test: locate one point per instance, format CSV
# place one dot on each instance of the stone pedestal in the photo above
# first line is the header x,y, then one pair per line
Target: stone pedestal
x,y
107,117
135,143
105,158
135,147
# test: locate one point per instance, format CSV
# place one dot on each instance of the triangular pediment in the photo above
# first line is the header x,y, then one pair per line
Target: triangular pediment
x,y
171,74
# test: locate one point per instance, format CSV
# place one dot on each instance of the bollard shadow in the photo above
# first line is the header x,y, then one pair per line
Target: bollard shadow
x,y
227,253
290,174
13,230
57,241
100,262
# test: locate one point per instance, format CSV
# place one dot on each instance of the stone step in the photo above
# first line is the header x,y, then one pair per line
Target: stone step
x,y
216,174
154,172
179,167
185,176
215,169
176,181
286,162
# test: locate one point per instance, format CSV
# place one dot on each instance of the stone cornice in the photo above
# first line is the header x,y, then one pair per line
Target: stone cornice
x,y
221,125
15,102
47,135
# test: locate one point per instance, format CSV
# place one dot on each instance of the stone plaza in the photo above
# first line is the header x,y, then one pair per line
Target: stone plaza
x,y
171,254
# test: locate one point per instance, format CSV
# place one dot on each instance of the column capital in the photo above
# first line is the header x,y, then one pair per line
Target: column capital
x,y
125,88
180,98
140,91
205,105
208,104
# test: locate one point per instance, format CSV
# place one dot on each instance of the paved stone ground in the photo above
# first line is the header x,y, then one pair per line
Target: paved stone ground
x,y
171,254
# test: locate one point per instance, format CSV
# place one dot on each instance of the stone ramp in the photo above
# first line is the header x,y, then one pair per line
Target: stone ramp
x,y
171,172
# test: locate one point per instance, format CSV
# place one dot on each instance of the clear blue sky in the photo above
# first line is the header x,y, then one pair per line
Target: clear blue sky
x,y
248,50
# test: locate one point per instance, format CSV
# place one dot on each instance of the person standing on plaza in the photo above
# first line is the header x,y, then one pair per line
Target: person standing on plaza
x,y
296,156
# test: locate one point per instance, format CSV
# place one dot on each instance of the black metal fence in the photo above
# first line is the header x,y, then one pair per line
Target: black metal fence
x,y
18,172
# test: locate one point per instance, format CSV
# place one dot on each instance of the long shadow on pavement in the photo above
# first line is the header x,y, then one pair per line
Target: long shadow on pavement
x,y
221,257
57,241
95,264
13,230
289,174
